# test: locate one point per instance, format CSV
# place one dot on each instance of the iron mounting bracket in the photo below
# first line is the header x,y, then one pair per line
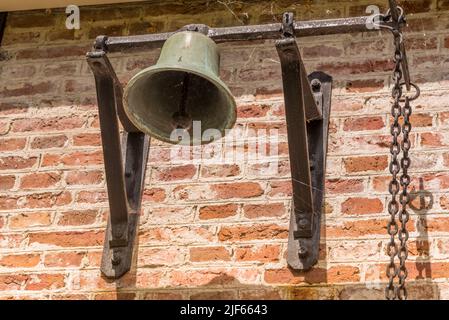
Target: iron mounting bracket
x,y
125,162
307,107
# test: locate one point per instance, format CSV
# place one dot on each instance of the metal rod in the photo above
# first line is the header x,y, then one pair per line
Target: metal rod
x,y
297,135
112,152
245,33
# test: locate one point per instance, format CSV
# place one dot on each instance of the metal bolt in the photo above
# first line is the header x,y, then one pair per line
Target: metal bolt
x,y
316,85
302,223
302,251
116,258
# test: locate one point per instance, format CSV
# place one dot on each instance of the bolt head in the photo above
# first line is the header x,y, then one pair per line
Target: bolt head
x,y
302,251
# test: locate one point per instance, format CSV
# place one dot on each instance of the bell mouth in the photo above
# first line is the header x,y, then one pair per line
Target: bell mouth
x,y
152,98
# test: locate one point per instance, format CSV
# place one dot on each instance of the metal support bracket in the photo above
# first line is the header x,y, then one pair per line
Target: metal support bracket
x,y
307,108
125,162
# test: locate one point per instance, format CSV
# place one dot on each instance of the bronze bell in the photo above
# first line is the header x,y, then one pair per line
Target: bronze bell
x,y
182,87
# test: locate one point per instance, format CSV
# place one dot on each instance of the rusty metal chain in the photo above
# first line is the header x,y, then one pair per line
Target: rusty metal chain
x,y
393,188
397,205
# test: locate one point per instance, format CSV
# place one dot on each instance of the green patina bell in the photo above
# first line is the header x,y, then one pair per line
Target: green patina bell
x,y
183,87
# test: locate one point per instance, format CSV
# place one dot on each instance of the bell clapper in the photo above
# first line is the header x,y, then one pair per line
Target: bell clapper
x,y
181,119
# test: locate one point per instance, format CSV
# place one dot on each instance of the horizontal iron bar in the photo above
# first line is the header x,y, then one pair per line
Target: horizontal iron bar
x,y
245,33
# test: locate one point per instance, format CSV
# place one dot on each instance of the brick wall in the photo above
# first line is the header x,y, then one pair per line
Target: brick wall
x,y
211,230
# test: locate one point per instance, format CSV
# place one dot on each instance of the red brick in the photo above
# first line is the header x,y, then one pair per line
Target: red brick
x,y
29,219
264,210
356,67
20,260
362,206
68,239
8,202
237,190
84,177
338,186
260,294
158,257
40,180
7,182
154,195
335,274
252,111
10,108
115,296
111,30
265,253
214,295
321,51
280,188
13,162
220,171
185,172
80,158
49,124
366,163
218,211
27,89
32,19
12,144
45,282
359,228
87,139
420,43
52,52
362,86
63,259
12,281
77,217
91,197
204,254
253,232
430,139
47,200
364,123
46,142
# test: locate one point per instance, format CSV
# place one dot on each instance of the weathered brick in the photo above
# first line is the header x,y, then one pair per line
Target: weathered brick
x,y
264,210
81,158
87,139
253,232
317,275
364,123
237,190
362,206
16,162
204,254
84,177
67,239
46,142
40,180
264,253
30,219
338,186
7,182
185,172
218,211
20,260
27,89
49,124
63,259
77,217
367,163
